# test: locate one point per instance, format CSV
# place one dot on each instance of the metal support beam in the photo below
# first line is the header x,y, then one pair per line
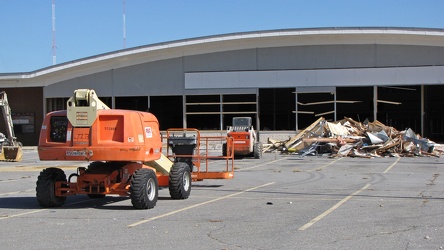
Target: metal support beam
x,y
375,102
221,115
296,108
334,97
422,110
184,111
148,102
258,122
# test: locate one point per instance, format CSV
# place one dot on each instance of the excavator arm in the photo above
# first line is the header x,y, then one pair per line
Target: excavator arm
x,y
11,149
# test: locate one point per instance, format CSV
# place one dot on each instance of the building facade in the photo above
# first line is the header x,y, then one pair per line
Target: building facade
x,y
284,79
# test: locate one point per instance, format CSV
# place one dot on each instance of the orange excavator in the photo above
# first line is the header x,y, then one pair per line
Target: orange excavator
x,y
124,151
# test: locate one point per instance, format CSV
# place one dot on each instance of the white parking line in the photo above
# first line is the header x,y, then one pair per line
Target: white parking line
x,y
311,170
7,181
17,192
319,217
21,214
260,165
391,166
197,205
38,210
324,166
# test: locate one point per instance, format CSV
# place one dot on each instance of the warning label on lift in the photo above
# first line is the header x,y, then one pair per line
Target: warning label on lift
x,y
82,118
239,142
79,153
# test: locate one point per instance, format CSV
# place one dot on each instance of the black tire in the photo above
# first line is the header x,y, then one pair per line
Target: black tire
x,y
180,181
257,150
45,190
144,189
224,149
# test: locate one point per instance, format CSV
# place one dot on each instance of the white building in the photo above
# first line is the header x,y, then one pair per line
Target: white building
x,y
284,79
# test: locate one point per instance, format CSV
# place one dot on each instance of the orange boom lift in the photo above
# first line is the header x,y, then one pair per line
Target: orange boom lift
x,y
124,151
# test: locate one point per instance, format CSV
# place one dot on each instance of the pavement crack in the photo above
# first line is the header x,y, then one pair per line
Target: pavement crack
x,y
432,181
210,234
395,231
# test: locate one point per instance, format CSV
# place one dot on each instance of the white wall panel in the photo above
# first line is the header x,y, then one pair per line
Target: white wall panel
x,y
307,78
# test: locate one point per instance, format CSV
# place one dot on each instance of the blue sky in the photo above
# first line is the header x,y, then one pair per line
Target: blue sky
x,y
90,27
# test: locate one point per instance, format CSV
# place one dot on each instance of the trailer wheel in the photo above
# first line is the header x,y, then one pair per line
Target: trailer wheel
x,y
144,189
45,190
180,181
257,150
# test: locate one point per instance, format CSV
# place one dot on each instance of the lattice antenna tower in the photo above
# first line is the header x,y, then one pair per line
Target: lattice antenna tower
x,y
54,46
124,23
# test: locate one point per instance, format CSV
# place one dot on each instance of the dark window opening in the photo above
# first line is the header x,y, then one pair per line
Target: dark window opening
x,y
139,103
203,112
312,106
203,122
107,100
168,110
434,113
54,104
400,107
197,105
239,106
361,109
276,109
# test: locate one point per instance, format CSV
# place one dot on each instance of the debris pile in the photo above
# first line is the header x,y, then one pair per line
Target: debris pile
x,y
355,139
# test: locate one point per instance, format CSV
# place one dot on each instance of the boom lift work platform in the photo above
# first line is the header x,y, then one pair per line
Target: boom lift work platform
x,y
124,151
195,150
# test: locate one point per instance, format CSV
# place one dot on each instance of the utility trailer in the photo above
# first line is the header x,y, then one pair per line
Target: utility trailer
x,y
124,151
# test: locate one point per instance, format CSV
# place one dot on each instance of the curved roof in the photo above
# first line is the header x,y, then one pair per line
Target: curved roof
x,y
233,41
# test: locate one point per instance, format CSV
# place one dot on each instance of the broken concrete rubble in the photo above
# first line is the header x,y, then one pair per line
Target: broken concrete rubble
x,y
350,138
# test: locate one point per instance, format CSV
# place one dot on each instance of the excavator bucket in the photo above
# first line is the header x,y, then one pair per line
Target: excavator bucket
x,y
11,153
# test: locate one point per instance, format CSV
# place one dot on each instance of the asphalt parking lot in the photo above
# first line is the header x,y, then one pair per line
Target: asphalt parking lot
x,y
277,202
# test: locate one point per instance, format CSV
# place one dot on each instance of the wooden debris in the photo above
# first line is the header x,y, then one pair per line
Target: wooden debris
x,y
314,128
326,139
349,138
272,146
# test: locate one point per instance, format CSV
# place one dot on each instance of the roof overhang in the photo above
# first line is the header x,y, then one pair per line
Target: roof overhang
x,y
227,42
